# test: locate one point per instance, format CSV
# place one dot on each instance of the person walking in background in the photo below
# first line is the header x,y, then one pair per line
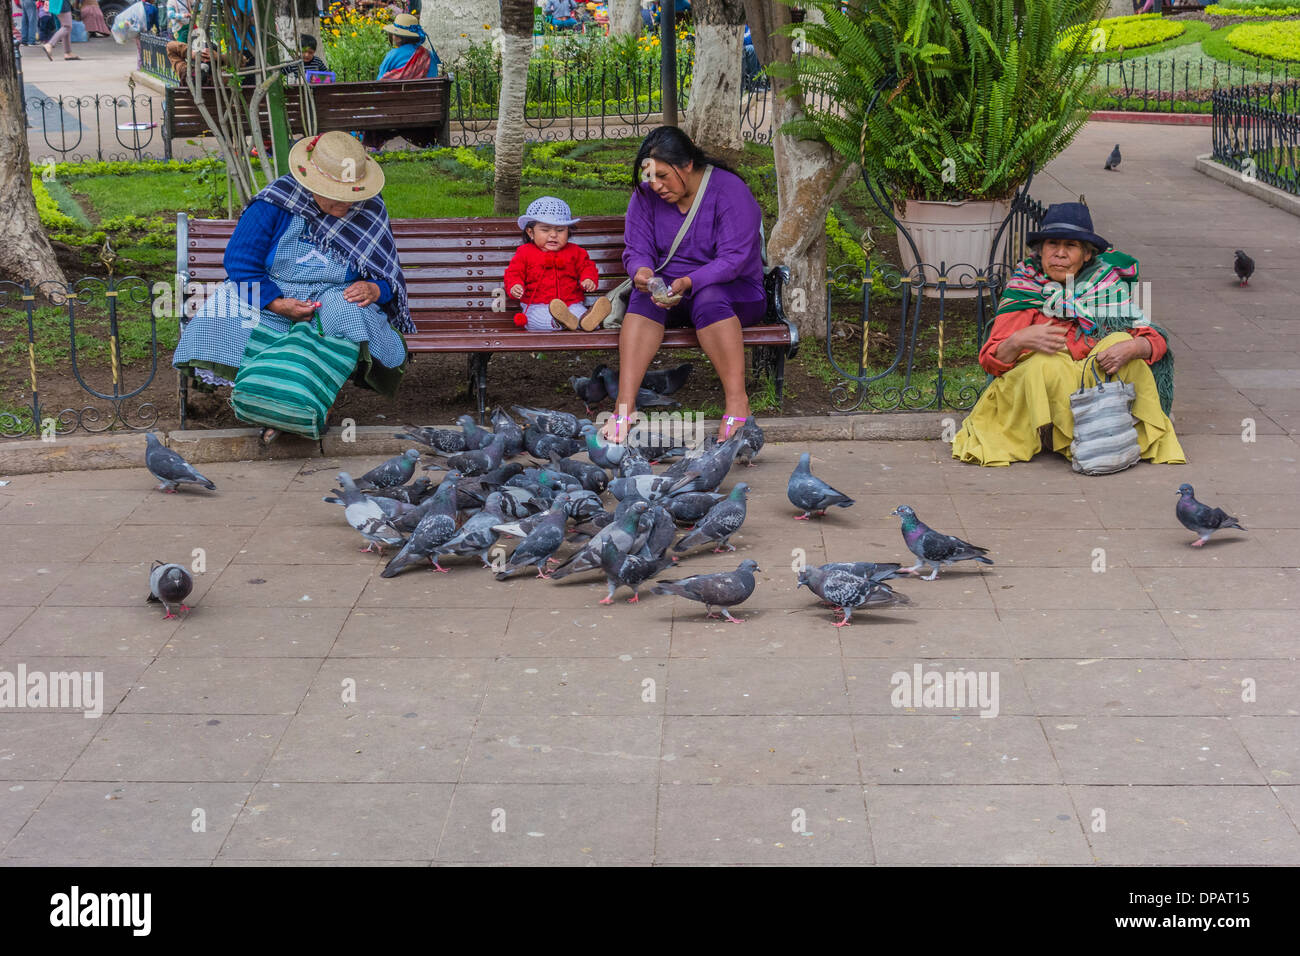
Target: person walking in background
x,y
30,18
93,18
61,9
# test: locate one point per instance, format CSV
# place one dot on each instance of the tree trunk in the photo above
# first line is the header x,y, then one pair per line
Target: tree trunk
x,y
713,110
25,253
625,18
809,177
454,26
516,49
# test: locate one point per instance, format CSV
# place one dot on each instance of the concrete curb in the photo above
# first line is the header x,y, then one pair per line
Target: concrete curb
x,y
1158,119
1230,177
204,446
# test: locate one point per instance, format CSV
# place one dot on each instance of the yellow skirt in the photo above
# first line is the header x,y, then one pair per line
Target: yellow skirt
x,y
1004,424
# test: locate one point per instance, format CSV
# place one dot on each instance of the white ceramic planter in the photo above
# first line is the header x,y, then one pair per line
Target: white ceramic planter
x,y
959,234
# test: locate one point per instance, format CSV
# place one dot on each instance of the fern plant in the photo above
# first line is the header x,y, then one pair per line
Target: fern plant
x,y
981,89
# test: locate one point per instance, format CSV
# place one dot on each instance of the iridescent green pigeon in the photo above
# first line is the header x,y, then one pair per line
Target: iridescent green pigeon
x,y
1200,518
933,547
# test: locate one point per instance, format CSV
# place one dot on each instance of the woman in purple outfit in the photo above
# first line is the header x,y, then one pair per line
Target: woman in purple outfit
x,y
717,269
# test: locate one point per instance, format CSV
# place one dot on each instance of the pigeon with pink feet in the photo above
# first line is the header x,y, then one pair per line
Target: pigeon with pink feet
x,y
169,584
809,493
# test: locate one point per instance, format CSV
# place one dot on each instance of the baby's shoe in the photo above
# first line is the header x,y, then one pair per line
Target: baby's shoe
x,y
597,314
560,312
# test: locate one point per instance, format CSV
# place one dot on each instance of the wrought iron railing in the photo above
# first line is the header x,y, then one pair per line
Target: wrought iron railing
x,y
1159,84
1257,132
103,334
153,57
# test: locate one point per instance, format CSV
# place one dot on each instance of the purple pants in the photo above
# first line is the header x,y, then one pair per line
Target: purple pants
x,y
703,307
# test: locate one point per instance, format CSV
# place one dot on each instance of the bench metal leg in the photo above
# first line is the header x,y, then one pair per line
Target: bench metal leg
x,y
478,363
185,395
778,361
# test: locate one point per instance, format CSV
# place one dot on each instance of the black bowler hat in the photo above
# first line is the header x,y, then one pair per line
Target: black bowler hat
x,y
1068,220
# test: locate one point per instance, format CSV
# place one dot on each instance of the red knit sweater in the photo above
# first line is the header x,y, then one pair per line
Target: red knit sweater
x,y
550,275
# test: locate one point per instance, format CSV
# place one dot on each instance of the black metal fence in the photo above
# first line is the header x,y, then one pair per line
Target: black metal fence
x,y
95,127
1159,84
107,328
1256,131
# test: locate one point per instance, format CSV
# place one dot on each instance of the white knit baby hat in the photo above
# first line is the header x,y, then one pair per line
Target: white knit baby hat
x,y
548,209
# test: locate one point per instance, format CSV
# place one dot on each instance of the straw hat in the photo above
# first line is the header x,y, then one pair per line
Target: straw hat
x,y
401,26
335,165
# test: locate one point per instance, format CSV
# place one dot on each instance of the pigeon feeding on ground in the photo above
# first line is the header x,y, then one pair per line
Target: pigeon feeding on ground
x,y
723,590
1244,266
481,460
169,584
810,493
435,529
706,471
722,521
689,507
591,389
443,441
629,532
933,548
169,467
559,424
1200,518
540,545
1112,161
504,425
751,442
477,535
845,588
665,381
393,473
541,444
366,516
628,570
645,397
411,494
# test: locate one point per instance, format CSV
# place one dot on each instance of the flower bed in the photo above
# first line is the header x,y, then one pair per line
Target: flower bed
x,y
1276,41
1140,30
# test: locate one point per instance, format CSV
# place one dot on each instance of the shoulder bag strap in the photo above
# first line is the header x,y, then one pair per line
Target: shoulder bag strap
x,y
690,218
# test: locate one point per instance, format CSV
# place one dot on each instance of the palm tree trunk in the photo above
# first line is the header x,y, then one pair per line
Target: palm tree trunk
x,y
713,114
25,252
516,50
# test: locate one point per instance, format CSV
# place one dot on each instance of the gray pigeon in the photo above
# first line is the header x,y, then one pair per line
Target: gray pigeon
x,y
540,545
559,424
662,531
645,397
601,453
1200,518
593,477
169,584
667,380
504,425
751,442
1112,161
628,533
805,490
648,487
628,570
691,506
723,590
633,464
435,529
542,444
443,441
477,535
723,520
1244,266
590,389
411,494
839,586
442,501
480,461
391,507
366,517
708,470
169,467
932,547
393,473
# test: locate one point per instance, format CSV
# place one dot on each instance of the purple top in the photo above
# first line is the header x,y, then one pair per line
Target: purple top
x,y
723,243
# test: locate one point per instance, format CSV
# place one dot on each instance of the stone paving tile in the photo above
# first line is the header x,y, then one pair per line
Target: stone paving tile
x,y
55,544
91,631
1281,547
178,748
422,632
1189,826
569,750
1289,798
1024,589
395,688
584,632
577,686
131,544
41,745
783,825
27,584
550,824
18,800
187,685
1069,512
923,633
464,586
311,545
105,693
769,686
303,631
775,633
1265,687
1119,687
1271,741
1150,750
118,585
889,687
42,506
1044,474
282,585
759,750
344,821
11,618
196,508
1232,634
1081,635
964,750
975,825
1221,588
368,748
100,823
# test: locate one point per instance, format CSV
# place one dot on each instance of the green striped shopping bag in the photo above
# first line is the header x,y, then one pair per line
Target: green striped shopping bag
x,y
289,380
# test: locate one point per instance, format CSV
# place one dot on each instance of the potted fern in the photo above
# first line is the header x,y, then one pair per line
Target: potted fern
x,y
974,93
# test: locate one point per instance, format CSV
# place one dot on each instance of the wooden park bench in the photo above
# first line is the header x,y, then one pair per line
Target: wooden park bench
x,y
454,266
420,106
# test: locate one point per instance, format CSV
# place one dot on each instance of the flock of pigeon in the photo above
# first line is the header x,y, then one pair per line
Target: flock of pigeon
x,y
557,499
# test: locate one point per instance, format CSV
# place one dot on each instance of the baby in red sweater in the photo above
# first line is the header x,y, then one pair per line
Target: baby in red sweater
x,y
548,275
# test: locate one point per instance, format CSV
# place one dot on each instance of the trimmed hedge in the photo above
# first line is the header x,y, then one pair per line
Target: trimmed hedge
x,y
1276,41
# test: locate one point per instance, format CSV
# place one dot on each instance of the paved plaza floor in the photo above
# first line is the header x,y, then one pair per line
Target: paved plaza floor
x,y
309,711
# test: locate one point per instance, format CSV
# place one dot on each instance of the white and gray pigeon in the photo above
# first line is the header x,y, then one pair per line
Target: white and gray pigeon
x,y
838,585
170,584
169,467
933,547
722,521
393,473
809,493
1113,160
648,487
723,590
1200,518
391,507
366,517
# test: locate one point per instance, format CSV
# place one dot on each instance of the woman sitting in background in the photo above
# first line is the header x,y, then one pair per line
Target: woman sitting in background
x,y
1045,329
408,59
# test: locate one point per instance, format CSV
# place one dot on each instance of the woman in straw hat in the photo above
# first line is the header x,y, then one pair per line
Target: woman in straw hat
x,y
409,59
316,240
1070,300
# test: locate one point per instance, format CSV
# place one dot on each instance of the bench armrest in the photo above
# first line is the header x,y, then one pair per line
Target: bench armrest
x,y
774,282
182,261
